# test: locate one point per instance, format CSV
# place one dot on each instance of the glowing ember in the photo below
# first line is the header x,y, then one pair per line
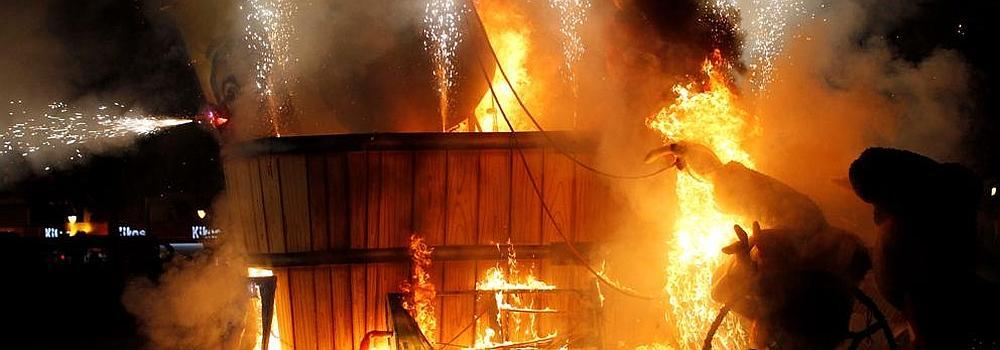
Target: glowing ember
x,y
420,291
572,15
63,126
708,116
268,34
442,19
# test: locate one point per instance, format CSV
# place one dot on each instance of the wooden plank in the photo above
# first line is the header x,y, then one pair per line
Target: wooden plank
x,y
295,202
343,319
271,189
250,208
338,201
461,217
558,192
494,196
303,304
325,324
525,206
396,199
357,186
460,229
283,309
430,194
494,223
457,311
593,204
319,213
359,298
235,204
373,315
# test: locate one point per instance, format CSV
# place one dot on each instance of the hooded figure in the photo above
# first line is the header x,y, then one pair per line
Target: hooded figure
x,y
926,218
794,279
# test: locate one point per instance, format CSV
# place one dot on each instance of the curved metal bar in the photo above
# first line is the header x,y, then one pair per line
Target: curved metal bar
x,y
880,320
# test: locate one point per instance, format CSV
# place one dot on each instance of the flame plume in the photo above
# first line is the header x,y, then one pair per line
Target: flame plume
x,y
420,291
707,116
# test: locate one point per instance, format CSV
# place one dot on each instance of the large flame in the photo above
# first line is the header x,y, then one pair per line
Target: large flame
x,y
509,32
707,115
420,291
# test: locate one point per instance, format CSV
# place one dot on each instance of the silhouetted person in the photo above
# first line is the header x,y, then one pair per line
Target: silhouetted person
x,y
925,213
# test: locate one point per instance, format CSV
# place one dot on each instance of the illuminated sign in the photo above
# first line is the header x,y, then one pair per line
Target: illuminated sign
x,y
126,231
51,232
200,232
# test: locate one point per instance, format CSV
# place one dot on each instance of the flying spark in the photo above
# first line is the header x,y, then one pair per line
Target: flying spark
x,y
60,125
442,34
765,25
268,34
572,15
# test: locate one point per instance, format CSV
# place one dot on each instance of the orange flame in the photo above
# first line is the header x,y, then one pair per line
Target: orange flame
x,y
420,291
515,311
709,116
508,30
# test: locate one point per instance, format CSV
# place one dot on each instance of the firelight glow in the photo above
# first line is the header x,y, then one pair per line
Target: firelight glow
x,y
708,116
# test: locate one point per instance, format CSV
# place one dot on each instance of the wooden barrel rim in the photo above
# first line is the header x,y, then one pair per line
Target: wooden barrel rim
x,y
566,140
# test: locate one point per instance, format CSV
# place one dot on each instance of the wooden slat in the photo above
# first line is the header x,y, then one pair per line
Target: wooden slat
x,y
558,195
235,205
295,203
271,189
339,200
359,298
593,205
319,227
526,210
494,196
373,315
343,319
325,323
461,229
283,309
457,311
396,200
462,196
429,195
252,205
357,186
303,303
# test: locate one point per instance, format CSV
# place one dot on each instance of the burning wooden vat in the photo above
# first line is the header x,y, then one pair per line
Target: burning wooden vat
x,y
333,216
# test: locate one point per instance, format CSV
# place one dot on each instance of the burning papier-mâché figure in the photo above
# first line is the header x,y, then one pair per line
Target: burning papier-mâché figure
x,y
793,279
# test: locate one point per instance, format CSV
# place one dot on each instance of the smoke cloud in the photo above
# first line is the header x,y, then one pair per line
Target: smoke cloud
x,y
198,303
